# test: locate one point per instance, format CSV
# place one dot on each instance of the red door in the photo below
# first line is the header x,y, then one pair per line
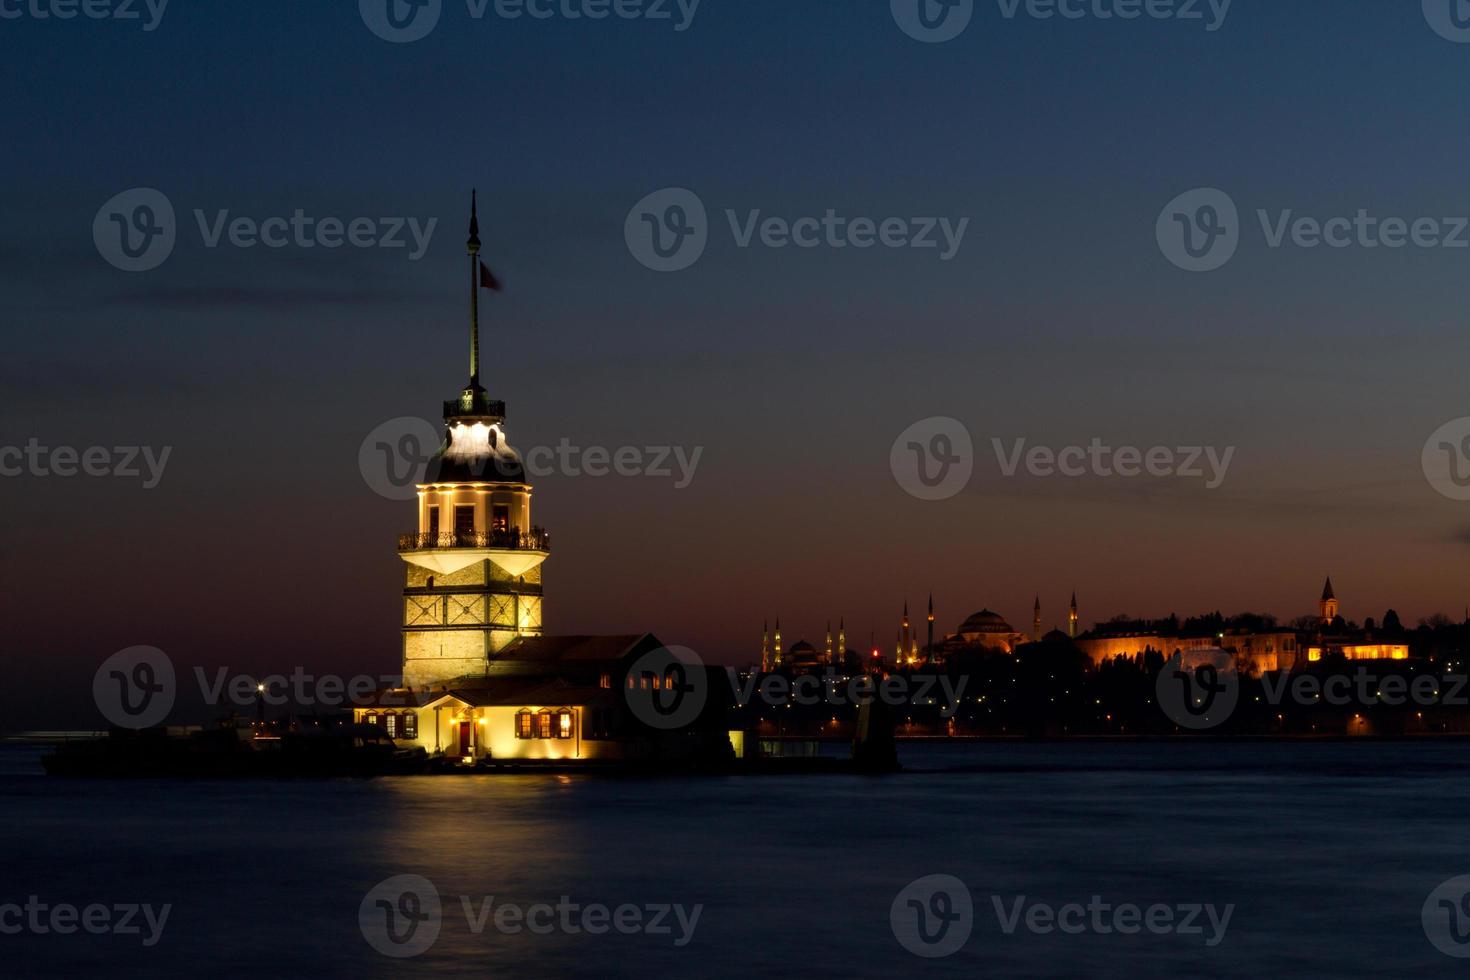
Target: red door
x,y
464,737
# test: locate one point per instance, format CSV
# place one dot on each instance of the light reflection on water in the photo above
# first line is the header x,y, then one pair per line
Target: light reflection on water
x,y
1327,850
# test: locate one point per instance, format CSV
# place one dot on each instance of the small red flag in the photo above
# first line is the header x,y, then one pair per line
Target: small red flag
x,y
487,278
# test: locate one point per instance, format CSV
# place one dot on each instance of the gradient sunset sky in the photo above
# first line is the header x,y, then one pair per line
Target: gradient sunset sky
x,y
1058,321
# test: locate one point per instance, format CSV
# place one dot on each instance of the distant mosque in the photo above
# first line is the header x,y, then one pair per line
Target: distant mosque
x,y
1266,648
981,631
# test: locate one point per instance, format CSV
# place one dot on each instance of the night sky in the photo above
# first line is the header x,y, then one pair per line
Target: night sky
x,y
1059,320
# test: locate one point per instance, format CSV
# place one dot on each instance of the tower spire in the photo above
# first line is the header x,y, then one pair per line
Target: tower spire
x,y
473,247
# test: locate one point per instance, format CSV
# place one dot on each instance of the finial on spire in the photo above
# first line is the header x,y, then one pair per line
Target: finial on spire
x,y
474,242
474,250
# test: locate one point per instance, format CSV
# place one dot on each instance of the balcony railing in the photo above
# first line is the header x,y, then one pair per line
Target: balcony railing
x,y
536,539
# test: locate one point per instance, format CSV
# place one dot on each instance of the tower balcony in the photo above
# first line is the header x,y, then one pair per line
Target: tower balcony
x,y
514,551
514,539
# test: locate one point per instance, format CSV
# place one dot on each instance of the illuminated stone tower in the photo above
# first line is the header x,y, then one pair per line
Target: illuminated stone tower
x,y
842,642
1036,621
1328,605
474,565
1072,617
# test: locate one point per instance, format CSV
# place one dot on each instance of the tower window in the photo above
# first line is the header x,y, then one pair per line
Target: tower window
x,y
500,519
434,520
464,519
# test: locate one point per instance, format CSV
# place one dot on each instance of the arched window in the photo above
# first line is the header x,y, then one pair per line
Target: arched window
x,y
410,724
523,723
564,723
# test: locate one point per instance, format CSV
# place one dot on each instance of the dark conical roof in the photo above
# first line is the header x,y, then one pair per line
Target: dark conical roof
x,y
1327,590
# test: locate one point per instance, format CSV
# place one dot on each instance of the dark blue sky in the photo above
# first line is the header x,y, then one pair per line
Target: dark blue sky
x,y
1059,320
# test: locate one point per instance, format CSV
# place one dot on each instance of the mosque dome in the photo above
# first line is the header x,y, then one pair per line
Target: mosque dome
x,y
985,621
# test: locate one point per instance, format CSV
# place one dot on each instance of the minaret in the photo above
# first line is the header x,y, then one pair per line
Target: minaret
x,y
765,646
842,642
829,641
1036,621
929,645
779,652
1072,617
1328,606
905,640
473,577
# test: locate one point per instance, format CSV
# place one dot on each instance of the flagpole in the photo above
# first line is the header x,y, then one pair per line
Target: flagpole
x,y
474,252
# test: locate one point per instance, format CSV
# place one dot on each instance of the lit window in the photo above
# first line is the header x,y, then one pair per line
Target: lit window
x,y
523,723
605,681
564,724
372,718
410,724
390,725
543,724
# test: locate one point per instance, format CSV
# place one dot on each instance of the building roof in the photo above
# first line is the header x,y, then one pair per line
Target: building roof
x,y
560,649
1327,590
483,692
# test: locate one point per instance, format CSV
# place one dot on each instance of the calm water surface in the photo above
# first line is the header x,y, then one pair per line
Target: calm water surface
x,y
1328,851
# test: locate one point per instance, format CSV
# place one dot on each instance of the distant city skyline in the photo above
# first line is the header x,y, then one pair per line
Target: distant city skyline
x,y
1056,320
